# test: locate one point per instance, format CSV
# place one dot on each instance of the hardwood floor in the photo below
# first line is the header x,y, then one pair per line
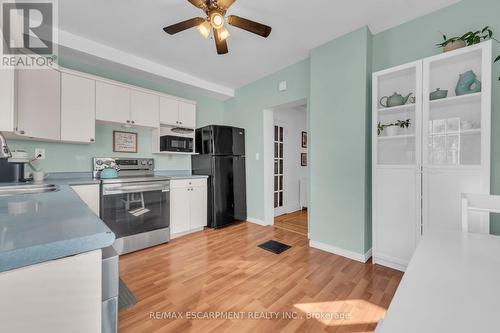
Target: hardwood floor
x,y
294,222
224,270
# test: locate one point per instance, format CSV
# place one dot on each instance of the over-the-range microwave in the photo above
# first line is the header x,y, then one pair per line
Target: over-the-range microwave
x,y
175,139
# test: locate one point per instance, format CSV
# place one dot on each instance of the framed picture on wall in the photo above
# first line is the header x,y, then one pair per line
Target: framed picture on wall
x,y
124,142
304,139
303,159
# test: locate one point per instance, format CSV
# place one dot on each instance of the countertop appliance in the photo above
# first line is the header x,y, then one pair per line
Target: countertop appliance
x,y
136,205
222,157
12,170
176,139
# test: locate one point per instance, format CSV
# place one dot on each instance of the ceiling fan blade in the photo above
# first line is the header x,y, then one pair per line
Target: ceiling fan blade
x,y
219,43
225,4
251,26
199,3
184,25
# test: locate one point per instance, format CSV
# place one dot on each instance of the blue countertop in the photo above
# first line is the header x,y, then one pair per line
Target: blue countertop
x,y
36,228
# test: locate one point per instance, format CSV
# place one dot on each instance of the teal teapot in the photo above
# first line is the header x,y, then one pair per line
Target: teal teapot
x,y
394,100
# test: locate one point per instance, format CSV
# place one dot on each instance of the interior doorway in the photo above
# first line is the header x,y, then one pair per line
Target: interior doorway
x,y
289,167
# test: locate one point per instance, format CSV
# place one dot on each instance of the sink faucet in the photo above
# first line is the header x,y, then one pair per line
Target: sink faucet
x,y
4,149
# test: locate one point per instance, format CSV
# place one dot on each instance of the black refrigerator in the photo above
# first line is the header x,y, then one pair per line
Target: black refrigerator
x,y
221,156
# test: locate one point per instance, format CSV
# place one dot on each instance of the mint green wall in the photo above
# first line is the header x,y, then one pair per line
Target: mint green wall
x,y
416,39
340,146
77,158
246,110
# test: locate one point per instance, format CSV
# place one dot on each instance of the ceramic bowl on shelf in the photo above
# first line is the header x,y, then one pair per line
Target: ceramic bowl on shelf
x,y
438,94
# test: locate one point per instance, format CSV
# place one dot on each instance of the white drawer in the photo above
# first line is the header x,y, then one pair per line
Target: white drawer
x,y
182,183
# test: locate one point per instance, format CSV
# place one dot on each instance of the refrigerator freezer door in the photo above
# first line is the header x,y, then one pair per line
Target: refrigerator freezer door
x,y
221,141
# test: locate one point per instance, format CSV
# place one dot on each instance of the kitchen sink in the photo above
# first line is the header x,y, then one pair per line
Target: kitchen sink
x,y
27,189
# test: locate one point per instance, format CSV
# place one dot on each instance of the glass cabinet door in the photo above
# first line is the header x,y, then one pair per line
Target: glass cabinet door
x,y
397,117
452,124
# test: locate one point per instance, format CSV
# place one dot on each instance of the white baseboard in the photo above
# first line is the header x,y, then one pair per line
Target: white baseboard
x,y
257,221
341,252
387,262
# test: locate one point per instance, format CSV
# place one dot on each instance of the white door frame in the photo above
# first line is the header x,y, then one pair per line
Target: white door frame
x,y
268,159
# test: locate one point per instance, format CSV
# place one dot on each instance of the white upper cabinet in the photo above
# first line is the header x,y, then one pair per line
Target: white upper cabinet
x,y
39,103
177,113
7,100
77,109
187,115
112,103
144,109
169,111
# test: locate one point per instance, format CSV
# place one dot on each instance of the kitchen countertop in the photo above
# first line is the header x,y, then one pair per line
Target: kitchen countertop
x,y
36,228
451,285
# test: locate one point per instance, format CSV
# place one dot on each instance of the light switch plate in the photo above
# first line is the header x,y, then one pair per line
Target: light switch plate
x,y
257,156
282,86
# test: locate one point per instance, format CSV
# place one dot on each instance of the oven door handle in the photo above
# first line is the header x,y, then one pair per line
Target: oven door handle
x,y
110,190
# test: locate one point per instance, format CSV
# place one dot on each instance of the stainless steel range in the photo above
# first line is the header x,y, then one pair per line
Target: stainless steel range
x,y
136,205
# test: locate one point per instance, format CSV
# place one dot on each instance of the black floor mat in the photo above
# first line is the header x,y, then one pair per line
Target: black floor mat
x,y
274,247
125,297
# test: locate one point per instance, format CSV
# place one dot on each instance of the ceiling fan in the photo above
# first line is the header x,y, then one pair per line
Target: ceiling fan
x,y
215,11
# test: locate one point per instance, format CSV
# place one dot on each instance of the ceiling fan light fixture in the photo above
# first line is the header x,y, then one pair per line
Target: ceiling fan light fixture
x,y
217,20
224,33
204,29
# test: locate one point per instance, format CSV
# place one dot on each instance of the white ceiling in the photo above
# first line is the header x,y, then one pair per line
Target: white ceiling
x,y
135,27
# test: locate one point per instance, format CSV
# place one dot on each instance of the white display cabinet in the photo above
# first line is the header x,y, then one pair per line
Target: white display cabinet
x,y
420,172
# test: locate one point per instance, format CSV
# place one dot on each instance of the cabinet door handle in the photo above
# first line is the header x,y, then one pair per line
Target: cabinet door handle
x,y
22,132
133,122
128,121
92,140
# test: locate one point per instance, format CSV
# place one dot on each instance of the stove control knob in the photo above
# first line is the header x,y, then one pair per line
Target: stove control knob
x,y
144,162
150,162
98,162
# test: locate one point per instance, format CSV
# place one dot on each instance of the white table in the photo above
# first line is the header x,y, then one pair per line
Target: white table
x,y
452,284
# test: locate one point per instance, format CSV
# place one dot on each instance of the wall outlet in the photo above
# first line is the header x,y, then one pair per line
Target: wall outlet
x,y
39,153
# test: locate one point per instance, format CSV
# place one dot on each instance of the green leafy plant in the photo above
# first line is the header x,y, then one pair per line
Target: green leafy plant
x,y
400,123
470,38
496,60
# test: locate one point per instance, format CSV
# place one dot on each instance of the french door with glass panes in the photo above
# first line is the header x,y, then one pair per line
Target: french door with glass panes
x,y
279,174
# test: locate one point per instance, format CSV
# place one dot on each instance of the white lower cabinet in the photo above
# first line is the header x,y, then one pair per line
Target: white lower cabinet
x,y
90,195
56,296
188,206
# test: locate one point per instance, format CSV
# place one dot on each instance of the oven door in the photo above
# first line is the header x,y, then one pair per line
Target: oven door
x,y
134,208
